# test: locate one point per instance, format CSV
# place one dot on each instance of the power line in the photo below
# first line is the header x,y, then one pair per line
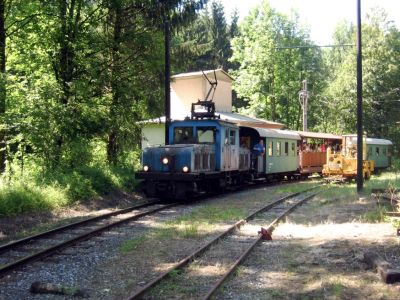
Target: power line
x,y
313,46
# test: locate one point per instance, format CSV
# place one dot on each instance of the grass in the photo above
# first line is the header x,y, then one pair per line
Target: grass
x,y
338,289
132,244
294,188
188,226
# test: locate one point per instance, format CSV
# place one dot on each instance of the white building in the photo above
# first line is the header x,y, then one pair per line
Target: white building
x,y
187,88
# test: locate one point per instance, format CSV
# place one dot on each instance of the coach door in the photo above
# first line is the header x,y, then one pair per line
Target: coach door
x,y
230,153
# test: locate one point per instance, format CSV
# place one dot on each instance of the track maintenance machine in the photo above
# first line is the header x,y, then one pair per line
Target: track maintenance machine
x,y
342,165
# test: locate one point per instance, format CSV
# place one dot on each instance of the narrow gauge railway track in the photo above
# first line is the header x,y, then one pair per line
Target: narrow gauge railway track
x,y
27,250
282,206
19,253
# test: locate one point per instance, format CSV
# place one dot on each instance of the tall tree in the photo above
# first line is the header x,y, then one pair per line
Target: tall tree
x,y
271,49
381,52
2,86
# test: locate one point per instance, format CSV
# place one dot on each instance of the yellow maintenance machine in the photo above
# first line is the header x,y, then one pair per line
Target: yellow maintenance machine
x,y
343,164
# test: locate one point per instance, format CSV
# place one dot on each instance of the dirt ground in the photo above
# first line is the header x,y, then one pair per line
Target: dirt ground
x,y
319,254
316,254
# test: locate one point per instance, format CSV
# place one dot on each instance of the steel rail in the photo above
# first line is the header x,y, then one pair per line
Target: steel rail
x,y
270,229
140,293
12,244
46,252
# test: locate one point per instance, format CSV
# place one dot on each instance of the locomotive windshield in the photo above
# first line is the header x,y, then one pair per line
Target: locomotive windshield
x,y
183,135
206,135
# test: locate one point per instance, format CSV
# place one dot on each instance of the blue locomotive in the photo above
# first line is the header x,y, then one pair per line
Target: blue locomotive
x,y
202,156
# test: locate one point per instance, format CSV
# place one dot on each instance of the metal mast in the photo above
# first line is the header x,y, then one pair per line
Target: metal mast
x,y
303,98
167,74
359,103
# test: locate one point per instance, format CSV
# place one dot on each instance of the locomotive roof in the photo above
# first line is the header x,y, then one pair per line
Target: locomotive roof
x,y
276,133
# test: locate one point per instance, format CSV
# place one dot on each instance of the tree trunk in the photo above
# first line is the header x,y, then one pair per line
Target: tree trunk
x,y
112,144
69,15
3,152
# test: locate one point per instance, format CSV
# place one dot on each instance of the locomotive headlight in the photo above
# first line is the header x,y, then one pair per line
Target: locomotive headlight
x,y
165,161
185,169
146,168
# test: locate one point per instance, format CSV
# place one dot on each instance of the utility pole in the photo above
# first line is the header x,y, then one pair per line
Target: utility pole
x,y
303,98
167,73
359,103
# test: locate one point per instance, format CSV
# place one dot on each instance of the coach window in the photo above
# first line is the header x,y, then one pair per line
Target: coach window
x,y
206,135
293,149
369,151
278,148
384,151
377,151
183,135
270,148
286,148
232,137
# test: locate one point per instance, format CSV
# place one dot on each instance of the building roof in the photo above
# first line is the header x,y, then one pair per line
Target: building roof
x,y
319,135
240,120
220,73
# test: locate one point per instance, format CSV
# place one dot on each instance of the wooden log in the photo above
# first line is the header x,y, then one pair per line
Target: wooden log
x,y
49,288
377,191
385,269
392,213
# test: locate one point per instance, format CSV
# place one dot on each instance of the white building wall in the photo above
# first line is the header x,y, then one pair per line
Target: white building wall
x,y
222,96
185,91
152,135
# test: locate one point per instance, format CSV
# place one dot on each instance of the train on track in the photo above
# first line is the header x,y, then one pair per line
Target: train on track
x,y
206,154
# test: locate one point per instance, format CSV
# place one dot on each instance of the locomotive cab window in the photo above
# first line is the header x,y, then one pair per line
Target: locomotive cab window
x,y
206,135
183,135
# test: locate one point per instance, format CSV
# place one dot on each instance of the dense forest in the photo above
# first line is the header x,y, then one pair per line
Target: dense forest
x,y
77,76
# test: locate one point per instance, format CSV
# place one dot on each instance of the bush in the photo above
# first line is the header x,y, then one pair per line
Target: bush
x,y
52,190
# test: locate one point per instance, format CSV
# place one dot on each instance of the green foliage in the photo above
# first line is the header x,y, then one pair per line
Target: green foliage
x,y
21,198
